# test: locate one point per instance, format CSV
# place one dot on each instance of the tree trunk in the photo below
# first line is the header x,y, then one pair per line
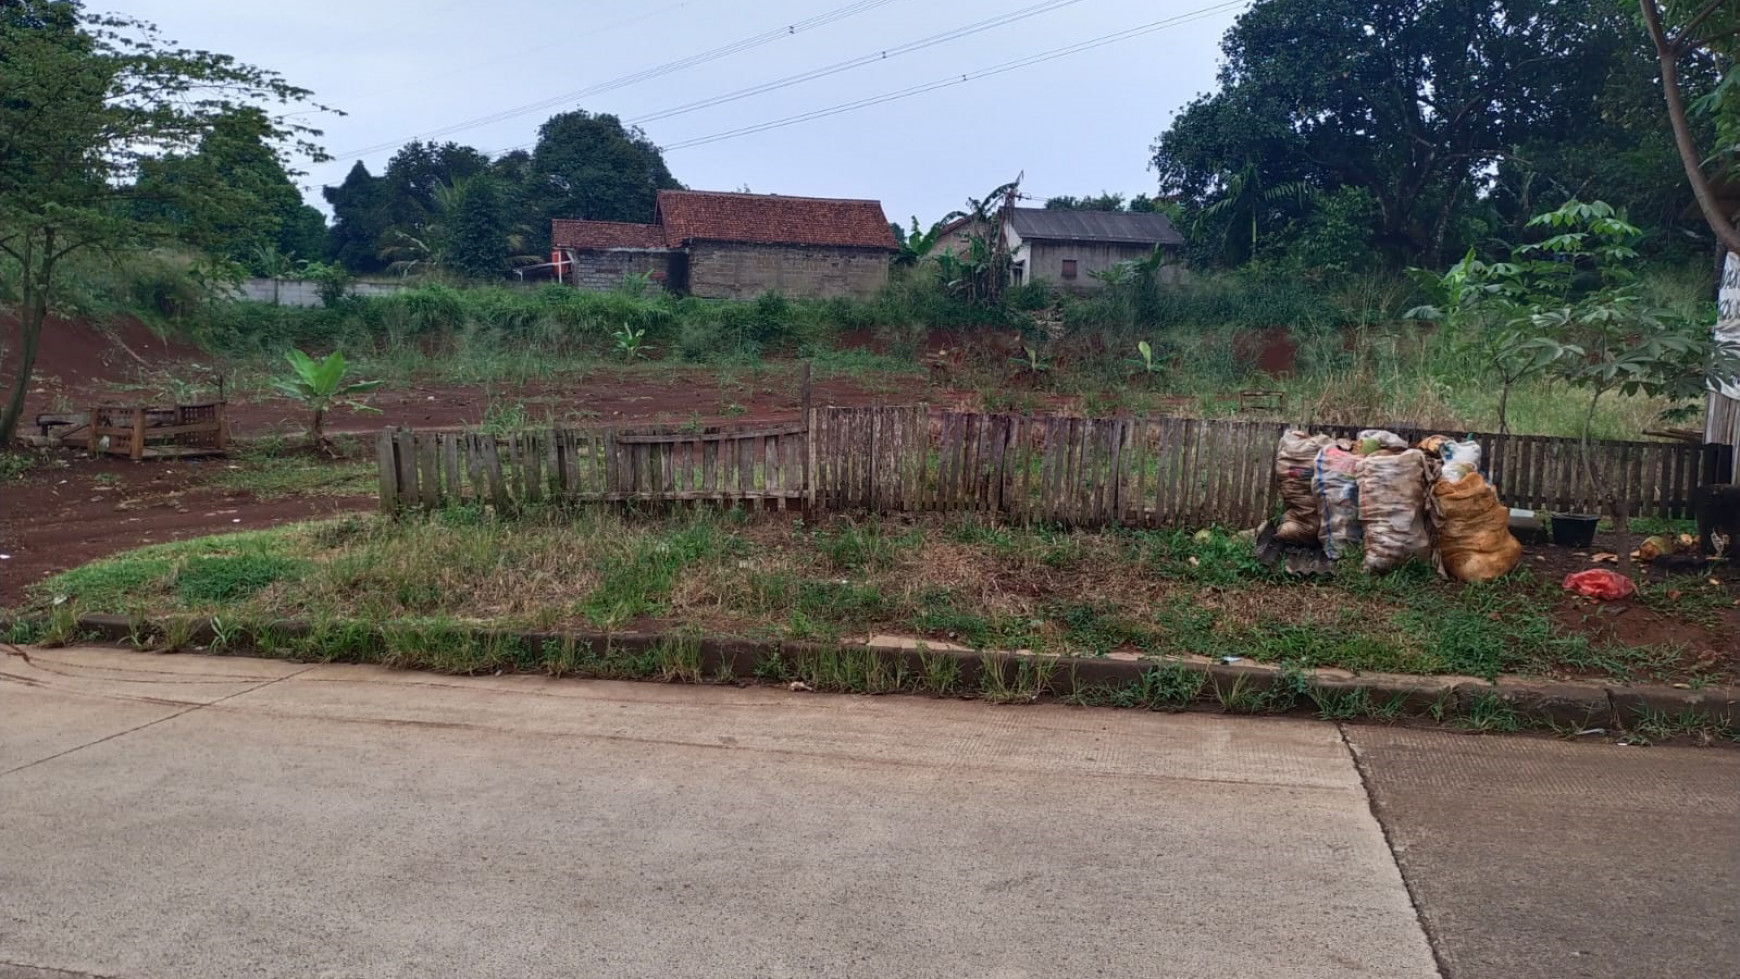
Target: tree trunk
x,y
1503,408
34,296
318,428
1669,55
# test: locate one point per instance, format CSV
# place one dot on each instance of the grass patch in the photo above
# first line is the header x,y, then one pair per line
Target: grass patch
x,y
985,587
272,470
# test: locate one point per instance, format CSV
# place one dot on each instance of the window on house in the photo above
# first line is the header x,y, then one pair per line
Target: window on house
x,y
1069,268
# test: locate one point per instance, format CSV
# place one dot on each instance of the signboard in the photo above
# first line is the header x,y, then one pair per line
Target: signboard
x,y
1728,316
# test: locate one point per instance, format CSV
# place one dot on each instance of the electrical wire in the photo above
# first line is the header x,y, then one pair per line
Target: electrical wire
x,y
1007,66
872,58
713,54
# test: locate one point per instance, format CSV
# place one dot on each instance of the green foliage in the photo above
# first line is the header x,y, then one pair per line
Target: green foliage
x,y
92,104
320,387
229,577
1344,130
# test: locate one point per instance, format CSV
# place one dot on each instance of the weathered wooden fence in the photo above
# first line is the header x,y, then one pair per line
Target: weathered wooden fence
x,y
1083,471
430,469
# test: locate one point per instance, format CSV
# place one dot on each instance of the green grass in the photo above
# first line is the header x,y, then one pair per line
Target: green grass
x,y
937,580
272,470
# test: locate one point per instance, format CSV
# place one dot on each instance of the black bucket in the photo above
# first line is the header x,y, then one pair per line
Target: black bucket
x,y
1574,529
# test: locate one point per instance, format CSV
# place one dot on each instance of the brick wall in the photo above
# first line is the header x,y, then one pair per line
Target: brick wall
x,y
735,271
603,270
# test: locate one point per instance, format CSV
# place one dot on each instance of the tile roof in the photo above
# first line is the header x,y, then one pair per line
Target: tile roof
x,y
566,233
1110,226
769,219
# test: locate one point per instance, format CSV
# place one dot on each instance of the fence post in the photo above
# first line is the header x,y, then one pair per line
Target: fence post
x,y
389,471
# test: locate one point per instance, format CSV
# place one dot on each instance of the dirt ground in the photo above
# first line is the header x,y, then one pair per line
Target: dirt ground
x,y
57,518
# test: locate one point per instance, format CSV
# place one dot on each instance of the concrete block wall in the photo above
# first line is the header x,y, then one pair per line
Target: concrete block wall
x,y
736,271
604,270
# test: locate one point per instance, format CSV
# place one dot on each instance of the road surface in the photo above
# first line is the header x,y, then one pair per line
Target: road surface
x,y
174,817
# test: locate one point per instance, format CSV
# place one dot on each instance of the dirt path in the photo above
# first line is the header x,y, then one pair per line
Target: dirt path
x,y
58,518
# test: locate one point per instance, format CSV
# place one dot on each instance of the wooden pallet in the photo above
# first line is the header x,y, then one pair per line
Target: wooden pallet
x,y
139,432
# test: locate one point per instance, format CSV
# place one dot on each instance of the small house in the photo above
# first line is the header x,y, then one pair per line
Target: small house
x,y
1063,248
735,246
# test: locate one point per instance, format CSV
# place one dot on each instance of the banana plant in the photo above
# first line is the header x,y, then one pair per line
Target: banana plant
x,y
320,387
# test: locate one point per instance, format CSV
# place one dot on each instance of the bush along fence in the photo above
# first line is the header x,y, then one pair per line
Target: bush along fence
x,y
1054,469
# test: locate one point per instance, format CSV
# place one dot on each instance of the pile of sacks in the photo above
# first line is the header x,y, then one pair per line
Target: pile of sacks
x,y
1429,500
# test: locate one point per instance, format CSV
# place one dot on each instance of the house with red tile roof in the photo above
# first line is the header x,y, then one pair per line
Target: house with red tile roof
x,y
735,246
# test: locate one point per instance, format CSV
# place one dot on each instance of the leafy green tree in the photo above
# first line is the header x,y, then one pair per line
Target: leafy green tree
x,y
1684,29
479,237
591,166
85,102
237,156
1414,103
915,245
359,220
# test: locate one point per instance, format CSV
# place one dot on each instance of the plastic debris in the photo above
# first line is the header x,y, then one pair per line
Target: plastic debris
x,y
1600,584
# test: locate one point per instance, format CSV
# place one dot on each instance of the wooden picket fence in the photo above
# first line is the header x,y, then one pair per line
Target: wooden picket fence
x,y
431,469
1053,469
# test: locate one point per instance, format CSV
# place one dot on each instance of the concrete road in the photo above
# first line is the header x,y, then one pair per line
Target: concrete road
x,y
165,817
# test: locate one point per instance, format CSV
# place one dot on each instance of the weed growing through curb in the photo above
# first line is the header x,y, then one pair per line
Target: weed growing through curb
x,y
1488,712
1341,705
942,673
679,659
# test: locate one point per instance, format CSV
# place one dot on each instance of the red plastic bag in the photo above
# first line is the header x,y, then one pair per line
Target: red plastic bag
x,y
1601,584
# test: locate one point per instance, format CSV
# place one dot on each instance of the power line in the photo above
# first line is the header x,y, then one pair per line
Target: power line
x,y
876,56
520,53
999,69
714,54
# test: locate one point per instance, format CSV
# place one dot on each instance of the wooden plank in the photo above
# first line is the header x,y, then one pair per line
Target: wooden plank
x,y
532,458
745,466
389,471
491,449
671,438
449,446
405,442
429,470
770,469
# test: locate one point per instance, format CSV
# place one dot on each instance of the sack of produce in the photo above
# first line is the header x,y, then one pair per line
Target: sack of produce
x,y
1336,486
1392,506
1460,459
1377,439
1295,459
1473,528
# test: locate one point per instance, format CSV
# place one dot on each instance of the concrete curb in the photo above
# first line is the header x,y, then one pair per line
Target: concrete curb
x,y
1536,703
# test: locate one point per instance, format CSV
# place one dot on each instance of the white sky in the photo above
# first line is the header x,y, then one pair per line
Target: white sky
x,y
1078,124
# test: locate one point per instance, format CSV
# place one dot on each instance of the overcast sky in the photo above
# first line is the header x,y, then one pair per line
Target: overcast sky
x,y
1076,124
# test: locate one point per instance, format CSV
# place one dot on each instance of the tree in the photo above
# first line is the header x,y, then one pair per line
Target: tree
x,y
592,167
359,220
85,102
320,387
1414,103
1713,27
236,156
479,239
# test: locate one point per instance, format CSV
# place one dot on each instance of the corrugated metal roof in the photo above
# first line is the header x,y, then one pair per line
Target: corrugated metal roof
x,y
1113,226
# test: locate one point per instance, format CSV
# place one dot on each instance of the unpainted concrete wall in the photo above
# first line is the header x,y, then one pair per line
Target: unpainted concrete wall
x,y
738,271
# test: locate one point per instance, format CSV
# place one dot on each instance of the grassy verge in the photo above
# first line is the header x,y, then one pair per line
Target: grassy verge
x,y
1149,594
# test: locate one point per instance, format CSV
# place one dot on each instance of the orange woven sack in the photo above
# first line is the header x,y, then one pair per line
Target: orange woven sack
x,y
1473,530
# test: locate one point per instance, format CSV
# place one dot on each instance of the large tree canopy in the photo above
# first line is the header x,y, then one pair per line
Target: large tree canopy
x,y
590,166
1421,106
87,104
234,156
583,165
